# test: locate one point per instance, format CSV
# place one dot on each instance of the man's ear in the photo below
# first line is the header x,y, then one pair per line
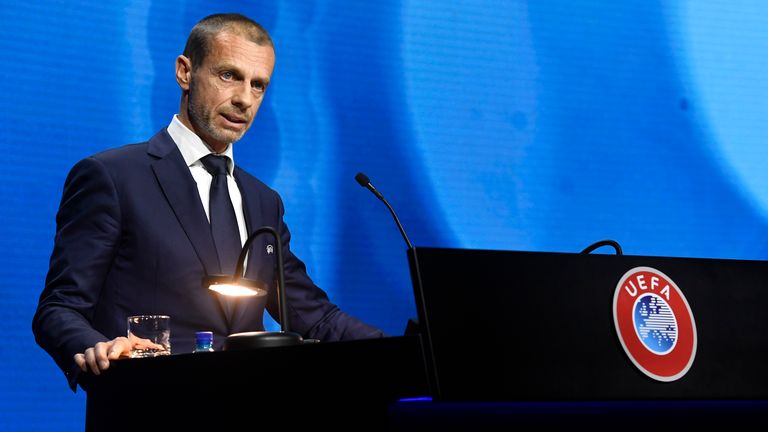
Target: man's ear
x,y
183,72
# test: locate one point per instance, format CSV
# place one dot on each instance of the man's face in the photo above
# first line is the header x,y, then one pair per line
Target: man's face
x,y
226,90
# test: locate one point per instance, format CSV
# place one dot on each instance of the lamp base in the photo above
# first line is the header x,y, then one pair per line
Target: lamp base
x,y
260,339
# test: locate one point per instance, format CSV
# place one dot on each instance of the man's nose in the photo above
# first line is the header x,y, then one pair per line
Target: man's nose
x,y
242,97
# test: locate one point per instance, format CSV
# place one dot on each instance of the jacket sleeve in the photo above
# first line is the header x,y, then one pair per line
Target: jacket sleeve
x,y
311,313
87,232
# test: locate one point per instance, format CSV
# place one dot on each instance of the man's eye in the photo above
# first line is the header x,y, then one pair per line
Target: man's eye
x,y
227,75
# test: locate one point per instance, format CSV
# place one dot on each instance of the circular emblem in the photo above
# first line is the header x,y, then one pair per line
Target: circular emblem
x,y
654,323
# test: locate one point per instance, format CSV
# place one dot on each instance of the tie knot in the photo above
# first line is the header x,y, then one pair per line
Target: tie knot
x,y
215,165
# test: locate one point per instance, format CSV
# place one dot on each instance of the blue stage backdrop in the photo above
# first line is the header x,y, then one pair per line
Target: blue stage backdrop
x,y
521,125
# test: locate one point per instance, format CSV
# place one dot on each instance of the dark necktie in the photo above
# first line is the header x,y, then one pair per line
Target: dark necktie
x,y
224,228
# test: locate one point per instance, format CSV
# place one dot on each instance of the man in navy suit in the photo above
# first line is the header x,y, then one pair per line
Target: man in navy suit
x,y
133,233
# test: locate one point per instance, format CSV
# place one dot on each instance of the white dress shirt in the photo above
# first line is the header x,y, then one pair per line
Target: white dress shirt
x,y
193,149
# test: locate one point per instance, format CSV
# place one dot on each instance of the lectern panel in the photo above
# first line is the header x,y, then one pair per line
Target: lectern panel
x,y
506,325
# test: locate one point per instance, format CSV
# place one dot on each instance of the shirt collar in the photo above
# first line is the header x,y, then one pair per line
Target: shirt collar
x,y
193,148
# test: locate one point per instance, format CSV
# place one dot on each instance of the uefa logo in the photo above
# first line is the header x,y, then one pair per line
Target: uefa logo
x,y
654,323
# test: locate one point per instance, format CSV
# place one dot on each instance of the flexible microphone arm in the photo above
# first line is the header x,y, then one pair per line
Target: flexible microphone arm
x,y
601,243
422,326
365,182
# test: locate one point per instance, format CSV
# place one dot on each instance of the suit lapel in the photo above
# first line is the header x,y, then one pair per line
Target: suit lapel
x,y
179,188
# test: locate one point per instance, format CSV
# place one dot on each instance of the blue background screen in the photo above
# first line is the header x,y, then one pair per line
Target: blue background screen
x,y
516,125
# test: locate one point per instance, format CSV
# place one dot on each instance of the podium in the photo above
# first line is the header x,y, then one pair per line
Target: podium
x,y
344,385
507,339
531,337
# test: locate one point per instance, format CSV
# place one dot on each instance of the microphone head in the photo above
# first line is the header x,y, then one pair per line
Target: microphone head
x,y
366,183
362,179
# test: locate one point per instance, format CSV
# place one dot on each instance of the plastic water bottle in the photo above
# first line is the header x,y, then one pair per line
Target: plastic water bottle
x,y
203,341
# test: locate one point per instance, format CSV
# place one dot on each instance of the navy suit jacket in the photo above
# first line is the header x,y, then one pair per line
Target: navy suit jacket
x,y
132,238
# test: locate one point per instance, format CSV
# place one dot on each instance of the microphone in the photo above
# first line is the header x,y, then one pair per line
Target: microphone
x,y
413,327
365,182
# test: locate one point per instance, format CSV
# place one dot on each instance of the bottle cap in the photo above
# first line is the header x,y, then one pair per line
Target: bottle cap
x,y
204,336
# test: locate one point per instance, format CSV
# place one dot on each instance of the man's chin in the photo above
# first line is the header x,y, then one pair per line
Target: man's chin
x,y
235,137
227,136
234,132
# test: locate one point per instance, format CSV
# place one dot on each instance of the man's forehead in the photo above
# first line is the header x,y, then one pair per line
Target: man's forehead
x,y
226,47
227,39
232,48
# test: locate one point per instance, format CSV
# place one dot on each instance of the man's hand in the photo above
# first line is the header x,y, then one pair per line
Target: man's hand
x,y
97,357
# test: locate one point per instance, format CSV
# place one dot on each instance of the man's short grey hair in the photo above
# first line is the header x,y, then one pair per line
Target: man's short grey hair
x,y
199,40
